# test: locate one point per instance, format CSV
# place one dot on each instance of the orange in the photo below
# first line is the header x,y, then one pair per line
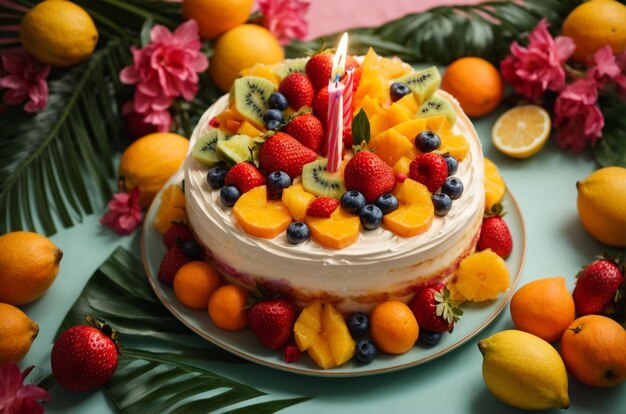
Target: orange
x,y
227,307
171,209
393,327
194,283
149,162
481,276
544,308
17,333
29,263
259,216
239,48
592,348
214,17
595,24
475,83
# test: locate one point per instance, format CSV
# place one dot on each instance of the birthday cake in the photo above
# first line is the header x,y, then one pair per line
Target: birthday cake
x,y
350,204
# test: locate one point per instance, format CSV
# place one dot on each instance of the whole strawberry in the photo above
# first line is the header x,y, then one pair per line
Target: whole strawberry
x,y
85,357
177,233
322,207
320,66
272,322
429,169
298,90
495,235
598,288
368,174
282,152
173,260
320,104
308,130
434,310
245,176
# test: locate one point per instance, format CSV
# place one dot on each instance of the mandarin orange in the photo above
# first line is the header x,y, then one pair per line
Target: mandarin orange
x,y
393,327
194,283
227,307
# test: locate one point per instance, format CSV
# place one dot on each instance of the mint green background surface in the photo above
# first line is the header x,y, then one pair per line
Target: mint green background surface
x,y
544,187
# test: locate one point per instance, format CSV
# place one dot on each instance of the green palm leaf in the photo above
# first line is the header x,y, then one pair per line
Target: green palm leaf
x,y
445,33
53,157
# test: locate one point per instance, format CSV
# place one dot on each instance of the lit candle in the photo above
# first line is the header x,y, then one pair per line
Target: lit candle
x,y
335,120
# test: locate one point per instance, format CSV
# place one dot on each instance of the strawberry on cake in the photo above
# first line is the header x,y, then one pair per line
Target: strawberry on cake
x,y
402,209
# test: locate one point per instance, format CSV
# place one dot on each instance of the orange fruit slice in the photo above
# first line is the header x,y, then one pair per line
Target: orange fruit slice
x,y
482,276
494,185
259,216
522,131
338,231
455,145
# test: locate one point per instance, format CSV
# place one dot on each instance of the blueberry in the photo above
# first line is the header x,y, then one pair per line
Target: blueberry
x,y
277,101
427,141
229,195
272,125
442,203
215,177
192,249
365,351
387,203
371,217
453,164
452,187
358,324
298,232
429,338
397,90
276,183
273,115
352,201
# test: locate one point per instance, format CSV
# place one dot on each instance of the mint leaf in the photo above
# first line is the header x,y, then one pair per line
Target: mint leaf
x,y
361,128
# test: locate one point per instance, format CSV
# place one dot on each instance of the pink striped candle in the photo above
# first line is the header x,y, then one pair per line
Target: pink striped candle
x,y
348,81
334,126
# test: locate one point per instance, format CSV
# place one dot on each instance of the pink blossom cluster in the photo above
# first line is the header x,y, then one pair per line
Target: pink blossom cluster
x,y
15,396
165,69
541,67
124,214
285,18
24,80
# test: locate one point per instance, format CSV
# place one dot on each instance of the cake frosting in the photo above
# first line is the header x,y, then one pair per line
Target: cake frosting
x,y
379,266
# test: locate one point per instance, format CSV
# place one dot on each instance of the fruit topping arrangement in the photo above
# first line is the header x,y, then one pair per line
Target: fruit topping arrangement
x,y
268,153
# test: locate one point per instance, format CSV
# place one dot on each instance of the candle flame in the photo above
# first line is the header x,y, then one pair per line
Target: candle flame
x,y
339,59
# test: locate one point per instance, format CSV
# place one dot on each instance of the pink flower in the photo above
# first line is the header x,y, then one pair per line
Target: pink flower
x,y
539,67
124,213
25,79
285,18
577,115
17,398
165,69
604,65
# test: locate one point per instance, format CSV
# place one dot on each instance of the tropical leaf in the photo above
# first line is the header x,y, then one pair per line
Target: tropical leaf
x,y
158,382
51,159
445,33
610,150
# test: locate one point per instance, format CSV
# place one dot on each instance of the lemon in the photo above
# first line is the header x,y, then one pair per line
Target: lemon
x,y
522,131
17,333
524,371
595,24
60,33
602,205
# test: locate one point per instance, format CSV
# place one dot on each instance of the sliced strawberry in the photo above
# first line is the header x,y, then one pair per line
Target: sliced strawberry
x,y
282,152
308,130
322,207
298,90
245,176
429,169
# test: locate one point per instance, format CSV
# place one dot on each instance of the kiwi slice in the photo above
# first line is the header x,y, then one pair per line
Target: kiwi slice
x,y
249,96
204,149
436,105
423,83
290,66
321,182
236,149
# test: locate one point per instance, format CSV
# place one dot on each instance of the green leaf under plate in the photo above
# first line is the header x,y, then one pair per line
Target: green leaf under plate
x,y
610,150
